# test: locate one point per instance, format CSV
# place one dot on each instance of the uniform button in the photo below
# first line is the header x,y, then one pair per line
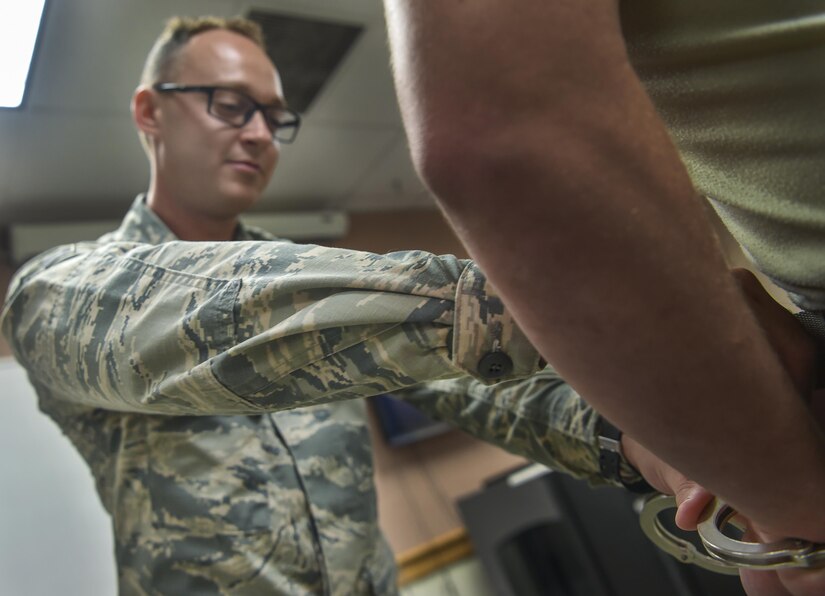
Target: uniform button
x,y
495,365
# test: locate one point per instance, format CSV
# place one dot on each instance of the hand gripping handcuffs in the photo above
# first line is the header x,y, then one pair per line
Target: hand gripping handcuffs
x,y
728,555
724,554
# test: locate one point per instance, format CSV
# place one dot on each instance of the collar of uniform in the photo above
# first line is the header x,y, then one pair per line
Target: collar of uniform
x,y
141,224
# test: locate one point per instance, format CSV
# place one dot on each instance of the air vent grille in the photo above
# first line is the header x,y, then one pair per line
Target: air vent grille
x,y
306,51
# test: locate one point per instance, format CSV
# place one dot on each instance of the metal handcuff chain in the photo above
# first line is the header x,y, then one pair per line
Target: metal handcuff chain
x,y
725,555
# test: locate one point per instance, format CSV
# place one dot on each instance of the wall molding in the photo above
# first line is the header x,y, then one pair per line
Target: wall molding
x,y
431,556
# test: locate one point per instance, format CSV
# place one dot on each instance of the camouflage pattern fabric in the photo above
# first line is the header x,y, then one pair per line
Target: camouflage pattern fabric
x,y
210,387
541,418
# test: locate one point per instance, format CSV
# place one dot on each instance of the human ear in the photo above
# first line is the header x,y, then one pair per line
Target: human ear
x,y
145,111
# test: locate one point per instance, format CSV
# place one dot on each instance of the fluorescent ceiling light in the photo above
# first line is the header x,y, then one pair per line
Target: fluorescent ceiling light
x,y
19,24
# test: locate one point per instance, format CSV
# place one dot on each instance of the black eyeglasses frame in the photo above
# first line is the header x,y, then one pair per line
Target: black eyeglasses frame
x,y
283,133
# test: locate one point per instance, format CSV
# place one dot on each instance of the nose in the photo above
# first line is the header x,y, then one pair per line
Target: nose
x,y
257,130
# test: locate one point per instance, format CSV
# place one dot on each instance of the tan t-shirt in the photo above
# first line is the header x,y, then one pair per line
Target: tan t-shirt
x,y
741,85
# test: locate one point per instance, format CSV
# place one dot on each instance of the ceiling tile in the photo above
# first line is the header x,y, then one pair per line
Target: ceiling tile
x,y
391,182
324,164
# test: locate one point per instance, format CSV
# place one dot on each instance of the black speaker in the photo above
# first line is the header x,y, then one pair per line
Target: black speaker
x,y
553,535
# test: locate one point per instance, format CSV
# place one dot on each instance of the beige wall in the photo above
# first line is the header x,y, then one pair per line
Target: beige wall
x,y
423,229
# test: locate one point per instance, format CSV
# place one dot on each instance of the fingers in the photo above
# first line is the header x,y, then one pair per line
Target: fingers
x,y
691,500
785,582
802,582
657,473
762,583
782,582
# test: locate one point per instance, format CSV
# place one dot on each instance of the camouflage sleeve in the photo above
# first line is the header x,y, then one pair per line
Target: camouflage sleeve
x,y
541,418
247,327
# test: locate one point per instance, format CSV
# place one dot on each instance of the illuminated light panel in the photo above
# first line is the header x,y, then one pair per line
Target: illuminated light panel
x,y
19,25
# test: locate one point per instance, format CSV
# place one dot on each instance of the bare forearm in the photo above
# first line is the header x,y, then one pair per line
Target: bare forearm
x,y
532,129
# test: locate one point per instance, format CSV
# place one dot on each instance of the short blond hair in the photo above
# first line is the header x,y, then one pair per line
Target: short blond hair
x,y
162,58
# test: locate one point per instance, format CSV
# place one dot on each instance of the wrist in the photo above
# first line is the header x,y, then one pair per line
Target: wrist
x,y
614,464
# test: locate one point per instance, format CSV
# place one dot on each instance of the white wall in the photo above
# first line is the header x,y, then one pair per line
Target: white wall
x,y
55,536
463,578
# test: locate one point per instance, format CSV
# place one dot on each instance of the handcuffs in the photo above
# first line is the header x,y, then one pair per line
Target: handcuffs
x,y
724,554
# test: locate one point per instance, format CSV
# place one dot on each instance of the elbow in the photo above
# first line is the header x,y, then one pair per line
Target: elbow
x,y
461,165
438,163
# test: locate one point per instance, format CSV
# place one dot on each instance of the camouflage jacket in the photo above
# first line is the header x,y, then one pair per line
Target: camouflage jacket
x,y
210,387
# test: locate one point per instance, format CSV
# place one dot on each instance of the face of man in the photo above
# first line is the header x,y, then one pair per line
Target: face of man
x,y
204,166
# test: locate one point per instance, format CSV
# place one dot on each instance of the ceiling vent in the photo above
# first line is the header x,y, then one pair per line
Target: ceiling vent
x,y
306,51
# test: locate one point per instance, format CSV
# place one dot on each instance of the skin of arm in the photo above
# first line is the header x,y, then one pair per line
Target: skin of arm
x,y
797,352
550,161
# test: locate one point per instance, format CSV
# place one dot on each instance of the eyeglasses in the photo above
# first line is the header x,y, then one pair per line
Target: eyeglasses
x,y
236,109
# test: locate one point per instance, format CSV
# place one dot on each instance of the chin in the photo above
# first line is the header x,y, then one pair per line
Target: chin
x,y
242,199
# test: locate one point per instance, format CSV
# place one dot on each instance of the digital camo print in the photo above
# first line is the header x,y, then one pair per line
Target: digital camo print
x,y
246,327
207,385
541,418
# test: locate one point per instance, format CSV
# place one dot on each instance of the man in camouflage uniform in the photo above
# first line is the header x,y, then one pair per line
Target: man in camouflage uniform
x,y
211,386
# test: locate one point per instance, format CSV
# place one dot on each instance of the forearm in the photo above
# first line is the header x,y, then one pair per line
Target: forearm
x,y
606,258
541,418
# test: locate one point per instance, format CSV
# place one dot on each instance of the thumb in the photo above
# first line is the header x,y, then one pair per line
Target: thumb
x,y
691,501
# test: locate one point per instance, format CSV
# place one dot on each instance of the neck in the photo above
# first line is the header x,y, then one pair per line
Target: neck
x,y
188,224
